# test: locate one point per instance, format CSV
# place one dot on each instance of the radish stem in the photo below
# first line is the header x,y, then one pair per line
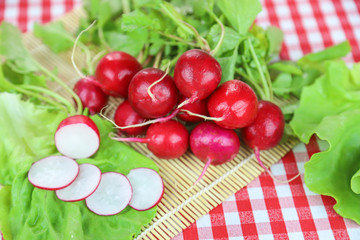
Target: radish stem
x,y
48,92
261,72
192,99
156,82
222,35
66,87
74,48
203,116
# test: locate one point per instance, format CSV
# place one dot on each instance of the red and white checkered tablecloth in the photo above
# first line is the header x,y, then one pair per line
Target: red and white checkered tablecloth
x,y
264,209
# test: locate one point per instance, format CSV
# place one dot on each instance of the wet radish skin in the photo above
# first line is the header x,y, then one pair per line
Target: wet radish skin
x,y
210,141
236,101
198,107
267,129
125,115
165,93
197,73
167,140
114,72
91,95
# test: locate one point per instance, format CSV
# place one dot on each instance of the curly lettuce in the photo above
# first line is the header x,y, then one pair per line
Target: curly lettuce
x,y
330,108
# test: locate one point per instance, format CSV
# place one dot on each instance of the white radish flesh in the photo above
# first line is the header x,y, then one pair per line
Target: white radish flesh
x,y
77,137
84,185
112,196
148,188
53,173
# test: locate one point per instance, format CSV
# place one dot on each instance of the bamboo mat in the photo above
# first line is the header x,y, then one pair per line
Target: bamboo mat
x,y
181,205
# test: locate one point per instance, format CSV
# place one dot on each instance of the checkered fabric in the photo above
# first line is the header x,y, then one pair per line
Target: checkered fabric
x,y
264,209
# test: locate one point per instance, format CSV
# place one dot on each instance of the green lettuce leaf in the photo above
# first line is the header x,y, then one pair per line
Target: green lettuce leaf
x,y
330,108
29,133
330,173
240,13
55,36
31,213
333,93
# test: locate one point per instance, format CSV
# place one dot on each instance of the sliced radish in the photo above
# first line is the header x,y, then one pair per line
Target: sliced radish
x,y
77,137
84,185
112,196
148,188
53,173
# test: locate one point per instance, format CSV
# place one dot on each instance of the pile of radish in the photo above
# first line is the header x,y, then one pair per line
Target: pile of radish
x,y
104,193
157,108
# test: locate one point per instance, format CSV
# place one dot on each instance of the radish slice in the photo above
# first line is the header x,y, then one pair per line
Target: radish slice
x,y
77,137
53,173
84,185
112,196
148,188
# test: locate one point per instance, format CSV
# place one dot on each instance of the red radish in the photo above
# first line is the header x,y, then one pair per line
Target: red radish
x,y
148,188
112,195
267,129
197,74
165,139
235,103
53,173
84,185
197,107
114,72
77,137
265,132
125,115
91,94
163,95
213,144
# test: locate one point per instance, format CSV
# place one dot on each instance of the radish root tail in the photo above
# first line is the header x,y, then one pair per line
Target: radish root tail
x,y
257,155
203,171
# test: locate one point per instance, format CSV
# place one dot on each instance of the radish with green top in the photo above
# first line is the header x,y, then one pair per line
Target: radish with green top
x,y
91,95
115,71
213,144
152,93
125,115
266,131
77,137
197,74
234,103
165,140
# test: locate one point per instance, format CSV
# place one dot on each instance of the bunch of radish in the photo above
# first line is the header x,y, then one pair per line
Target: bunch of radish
x,y
157,108
104,193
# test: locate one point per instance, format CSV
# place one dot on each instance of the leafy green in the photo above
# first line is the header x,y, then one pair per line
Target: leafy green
x,y
55,36
330,172
333,93
329,108
304,72
30,213
29,133
13,49
240,13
